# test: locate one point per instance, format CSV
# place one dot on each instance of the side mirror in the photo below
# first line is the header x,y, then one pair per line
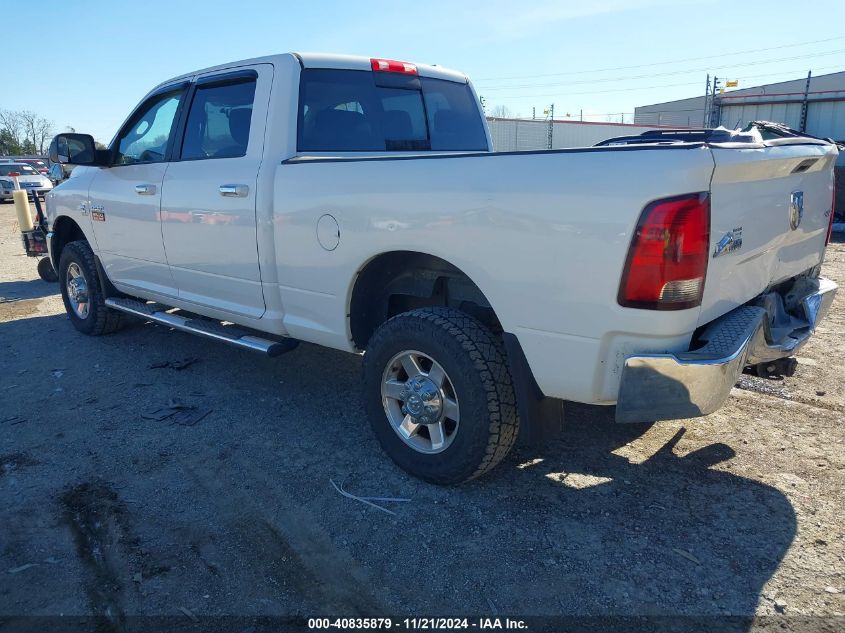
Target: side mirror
x,y
75,149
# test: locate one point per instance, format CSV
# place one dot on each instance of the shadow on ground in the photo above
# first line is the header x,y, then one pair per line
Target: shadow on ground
x,y
29,289
578,530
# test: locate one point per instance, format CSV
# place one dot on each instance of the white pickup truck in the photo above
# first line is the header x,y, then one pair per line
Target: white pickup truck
x,y
356,203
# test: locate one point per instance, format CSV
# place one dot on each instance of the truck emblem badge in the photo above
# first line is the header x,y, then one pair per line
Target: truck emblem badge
x,y
796,209
730,242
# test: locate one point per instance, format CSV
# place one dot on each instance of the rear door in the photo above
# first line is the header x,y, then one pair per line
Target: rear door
x,y
209,192
770,209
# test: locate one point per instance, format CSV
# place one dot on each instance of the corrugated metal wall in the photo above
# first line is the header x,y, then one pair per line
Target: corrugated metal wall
x,y
825,117
511,135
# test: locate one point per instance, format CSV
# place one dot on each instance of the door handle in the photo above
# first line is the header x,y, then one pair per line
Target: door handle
x,y
83,209
145,190
234,191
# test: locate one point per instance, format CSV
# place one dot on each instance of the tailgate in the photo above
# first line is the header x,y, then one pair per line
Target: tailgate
x,y
770,209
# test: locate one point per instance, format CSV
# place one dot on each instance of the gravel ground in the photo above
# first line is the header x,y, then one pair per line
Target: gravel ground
x,y
106,512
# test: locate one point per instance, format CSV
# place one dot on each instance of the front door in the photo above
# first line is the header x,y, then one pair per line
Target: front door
x,y
209,193
125,198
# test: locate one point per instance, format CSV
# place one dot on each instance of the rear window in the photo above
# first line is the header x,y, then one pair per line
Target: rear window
x,y
362,111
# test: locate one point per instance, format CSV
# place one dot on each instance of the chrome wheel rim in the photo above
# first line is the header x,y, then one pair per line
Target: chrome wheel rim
x,y
77,290
420,402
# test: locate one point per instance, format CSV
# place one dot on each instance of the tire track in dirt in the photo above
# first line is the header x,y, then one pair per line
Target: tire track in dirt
x,y
280,529
96,518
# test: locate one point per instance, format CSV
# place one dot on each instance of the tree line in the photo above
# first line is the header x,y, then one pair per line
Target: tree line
x,y
24,132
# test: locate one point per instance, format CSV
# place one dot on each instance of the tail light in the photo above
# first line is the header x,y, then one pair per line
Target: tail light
x,y
832,214
392,66
667,260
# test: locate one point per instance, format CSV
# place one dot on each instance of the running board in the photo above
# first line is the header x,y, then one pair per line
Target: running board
x,y
231,334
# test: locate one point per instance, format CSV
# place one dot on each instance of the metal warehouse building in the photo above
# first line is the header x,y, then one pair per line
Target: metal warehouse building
x,y
816,106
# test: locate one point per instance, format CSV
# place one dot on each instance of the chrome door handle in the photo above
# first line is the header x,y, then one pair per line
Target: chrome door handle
x,y
234,191
145,190
82,209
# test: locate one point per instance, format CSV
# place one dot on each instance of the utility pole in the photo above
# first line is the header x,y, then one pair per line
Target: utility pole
x,y
533,113
715,104
706,102
551,124
804,103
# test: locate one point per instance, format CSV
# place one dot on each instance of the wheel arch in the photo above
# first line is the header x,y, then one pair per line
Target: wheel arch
x,y
397,281
65,229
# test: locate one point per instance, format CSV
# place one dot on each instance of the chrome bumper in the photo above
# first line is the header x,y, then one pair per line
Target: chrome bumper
x,y
672,386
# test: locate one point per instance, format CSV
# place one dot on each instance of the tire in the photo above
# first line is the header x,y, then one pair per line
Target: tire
x,y
477,378
96,319
46,270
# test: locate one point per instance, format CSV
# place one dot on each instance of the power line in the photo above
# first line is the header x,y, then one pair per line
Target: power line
x,y
591,92
674,61
665,74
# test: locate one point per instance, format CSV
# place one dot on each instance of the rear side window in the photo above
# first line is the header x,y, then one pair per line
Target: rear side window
x,y
219,121
356,111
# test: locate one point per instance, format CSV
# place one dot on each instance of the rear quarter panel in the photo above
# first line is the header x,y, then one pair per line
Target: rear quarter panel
x,y
543,235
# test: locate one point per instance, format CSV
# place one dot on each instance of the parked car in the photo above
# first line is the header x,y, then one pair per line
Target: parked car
x,y
58,173
39,164
355,203
29,179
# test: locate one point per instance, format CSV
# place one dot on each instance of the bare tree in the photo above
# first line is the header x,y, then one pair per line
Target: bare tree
x,y
501,112
36,129
12,124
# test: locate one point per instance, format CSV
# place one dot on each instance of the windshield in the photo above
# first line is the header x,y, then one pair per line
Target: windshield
x,y
24,170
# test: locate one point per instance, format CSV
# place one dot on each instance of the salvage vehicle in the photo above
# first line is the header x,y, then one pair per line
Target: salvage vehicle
x,y
357,204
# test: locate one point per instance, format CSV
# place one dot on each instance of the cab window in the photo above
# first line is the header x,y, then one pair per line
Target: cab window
x,y
219,120
147,136
360,111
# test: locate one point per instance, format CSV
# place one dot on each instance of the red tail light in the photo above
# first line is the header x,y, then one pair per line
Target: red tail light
x,y
392,66
832,214
667,260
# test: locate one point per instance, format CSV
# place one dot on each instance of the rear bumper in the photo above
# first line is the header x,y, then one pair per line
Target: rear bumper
x,y
672,386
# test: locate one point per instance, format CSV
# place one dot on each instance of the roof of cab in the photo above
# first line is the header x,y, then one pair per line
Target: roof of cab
x,y
324,60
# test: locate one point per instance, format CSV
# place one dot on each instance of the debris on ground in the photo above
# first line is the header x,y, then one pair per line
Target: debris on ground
x,y
189,613
177,413
686,555
369,500
17,570
178,365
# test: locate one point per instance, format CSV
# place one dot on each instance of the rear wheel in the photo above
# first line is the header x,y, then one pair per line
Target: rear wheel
x,y
81,293
439,395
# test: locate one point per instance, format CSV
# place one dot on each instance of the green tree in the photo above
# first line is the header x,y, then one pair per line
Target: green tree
x,y
9,145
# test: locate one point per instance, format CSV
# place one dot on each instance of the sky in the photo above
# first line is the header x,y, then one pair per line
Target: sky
x,y
603,57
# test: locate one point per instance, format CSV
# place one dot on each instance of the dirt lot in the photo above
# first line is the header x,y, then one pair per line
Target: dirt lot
x,y
106,512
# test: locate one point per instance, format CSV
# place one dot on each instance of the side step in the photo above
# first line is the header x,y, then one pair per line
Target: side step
x,y
231,334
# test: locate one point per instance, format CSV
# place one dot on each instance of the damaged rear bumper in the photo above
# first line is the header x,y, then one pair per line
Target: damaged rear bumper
x,y
689,384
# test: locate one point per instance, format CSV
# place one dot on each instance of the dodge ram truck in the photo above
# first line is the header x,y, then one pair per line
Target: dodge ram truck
x,y
357,204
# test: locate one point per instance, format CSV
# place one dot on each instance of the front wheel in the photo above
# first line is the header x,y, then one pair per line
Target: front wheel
x,y
81,293
439,395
